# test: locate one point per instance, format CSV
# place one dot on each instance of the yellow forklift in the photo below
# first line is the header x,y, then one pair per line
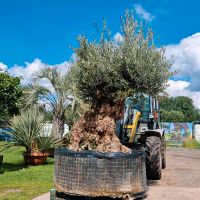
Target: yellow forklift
x,y
142,127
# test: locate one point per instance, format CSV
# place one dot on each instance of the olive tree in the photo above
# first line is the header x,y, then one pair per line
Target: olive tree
x,y
106,72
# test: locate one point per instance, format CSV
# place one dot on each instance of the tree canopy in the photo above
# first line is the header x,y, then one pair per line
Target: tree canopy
x,y
10,93
106,70
173,116
178,109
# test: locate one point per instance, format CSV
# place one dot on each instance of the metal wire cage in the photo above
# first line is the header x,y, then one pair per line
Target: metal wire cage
x,y
91,173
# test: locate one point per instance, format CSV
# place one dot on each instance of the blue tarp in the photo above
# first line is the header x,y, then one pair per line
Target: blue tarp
x,y
5,134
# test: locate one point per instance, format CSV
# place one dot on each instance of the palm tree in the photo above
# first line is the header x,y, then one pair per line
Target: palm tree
x,y
54,95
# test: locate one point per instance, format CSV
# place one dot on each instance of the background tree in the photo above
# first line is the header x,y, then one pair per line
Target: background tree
x,y
181,104
10,93
55,96
106,72
173,116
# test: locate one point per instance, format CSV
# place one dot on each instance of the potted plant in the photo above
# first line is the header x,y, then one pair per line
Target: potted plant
x,y
28,131
48,144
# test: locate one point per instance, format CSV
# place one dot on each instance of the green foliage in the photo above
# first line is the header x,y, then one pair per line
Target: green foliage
x,y
48,114
173,144
55,98
4,117
10,92
107,71
28,129
75,110
48,143
185,104
172,116
191,143
181,107
71,117
60,102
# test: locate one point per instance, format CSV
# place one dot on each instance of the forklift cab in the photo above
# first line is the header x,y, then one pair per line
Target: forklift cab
x,y
143,107
149,110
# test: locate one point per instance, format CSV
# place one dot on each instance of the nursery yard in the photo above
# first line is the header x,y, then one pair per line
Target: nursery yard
x,y
180,180
21,182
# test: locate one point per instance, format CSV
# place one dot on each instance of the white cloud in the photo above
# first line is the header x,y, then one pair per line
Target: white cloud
x,y
180,88
118,38
142,13
27,71
187,60
3,67
187,63
64,67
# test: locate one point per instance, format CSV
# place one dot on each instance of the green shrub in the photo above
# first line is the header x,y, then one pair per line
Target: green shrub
x,y
28,131
191,143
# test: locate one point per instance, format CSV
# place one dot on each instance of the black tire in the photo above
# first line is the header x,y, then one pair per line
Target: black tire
x,y
163,150
153,158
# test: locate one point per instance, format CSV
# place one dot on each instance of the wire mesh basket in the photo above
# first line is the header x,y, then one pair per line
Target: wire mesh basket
x,y
91,173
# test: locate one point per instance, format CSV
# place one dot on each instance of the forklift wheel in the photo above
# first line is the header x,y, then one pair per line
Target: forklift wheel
x,y
163,150
153,158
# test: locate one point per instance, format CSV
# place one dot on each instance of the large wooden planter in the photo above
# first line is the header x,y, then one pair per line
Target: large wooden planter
x,y
35,158
1,160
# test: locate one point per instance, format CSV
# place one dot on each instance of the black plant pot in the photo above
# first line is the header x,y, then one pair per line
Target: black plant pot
x,y
1,160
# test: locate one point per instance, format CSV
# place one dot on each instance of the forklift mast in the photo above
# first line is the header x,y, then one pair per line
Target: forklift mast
x,y
141,115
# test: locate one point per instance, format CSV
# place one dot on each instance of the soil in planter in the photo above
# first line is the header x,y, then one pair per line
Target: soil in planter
x,y
96,130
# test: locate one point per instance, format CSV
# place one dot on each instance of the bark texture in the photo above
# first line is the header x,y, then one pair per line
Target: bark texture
x,y
57,127
96,130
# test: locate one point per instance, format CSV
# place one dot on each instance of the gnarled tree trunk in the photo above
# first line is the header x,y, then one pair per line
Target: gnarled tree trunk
x,y
96,129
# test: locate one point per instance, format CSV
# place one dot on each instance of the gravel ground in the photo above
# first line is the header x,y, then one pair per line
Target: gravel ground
x,y
180,180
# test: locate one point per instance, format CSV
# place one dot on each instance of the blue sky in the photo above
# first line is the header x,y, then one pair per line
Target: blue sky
x,y
46,28
34,32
